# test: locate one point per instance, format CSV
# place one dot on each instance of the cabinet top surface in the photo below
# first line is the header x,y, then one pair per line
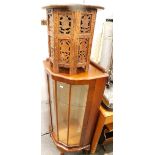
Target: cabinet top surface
x,y
73,6
93,73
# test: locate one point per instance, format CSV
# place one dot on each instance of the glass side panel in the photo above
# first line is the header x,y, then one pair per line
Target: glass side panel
x,y
77,109
62,102
53,108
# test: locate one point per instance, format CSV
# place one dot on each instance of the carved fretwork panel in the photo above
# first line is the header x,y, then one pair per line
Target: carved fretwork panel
x,y
70,35
51,33
51,47
49,11
64,51
83,50
85,23
65,23
50,23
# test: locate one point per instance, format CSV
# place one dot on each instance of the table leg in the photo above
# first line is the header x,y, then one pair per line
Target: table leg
x,y
97,134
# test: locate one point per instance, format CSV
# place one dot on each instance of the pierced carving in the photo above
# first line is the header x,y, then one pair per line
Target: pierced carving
x,y
85,23
51,47
64,48
49,11
65,23
51,33
70,34
83,50
50,24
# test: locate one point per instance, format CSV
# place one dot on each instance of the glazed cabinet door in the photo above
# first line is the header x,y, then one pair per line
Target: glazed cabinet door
x,y
68,104
77,110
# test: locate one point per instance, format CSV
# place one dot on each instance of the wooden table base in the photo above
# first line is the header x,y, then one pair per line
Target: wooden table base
x,y
105,118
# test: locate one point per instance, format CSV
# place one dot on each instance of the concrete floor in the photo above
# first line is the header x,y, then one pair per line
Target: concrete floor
x,y
48,148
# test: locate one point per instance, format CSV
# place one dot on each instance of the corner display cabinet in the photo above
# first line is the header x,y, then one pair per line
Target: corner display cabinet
x,y
74,105
70,35
75,84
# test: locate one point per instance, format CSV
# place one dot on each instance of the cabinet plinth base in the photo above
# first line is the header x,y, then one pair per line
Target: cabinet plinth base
x,y
64,148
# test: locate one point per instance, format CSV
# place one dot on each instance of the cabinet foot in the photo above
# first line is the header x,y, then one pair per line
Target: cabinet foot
x,y
86,151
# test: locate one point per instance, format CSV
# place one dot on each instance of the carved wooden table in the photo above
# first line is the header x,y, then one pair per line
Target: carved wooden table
x,y
70,35
105,117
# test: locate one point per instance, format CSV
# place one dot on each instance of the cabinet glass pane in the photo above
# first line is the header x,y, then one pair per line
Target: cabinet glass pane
x,y
53,108
62,101
77,109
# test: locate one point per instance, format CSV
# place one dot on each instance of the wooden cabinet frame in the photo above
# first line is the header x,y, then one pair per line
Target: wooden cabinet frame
x,y
96,78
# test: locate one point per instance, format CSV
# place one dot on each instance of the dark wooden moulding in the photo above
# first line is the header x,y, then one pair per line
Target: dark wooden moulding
x,y
96,77
70,35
